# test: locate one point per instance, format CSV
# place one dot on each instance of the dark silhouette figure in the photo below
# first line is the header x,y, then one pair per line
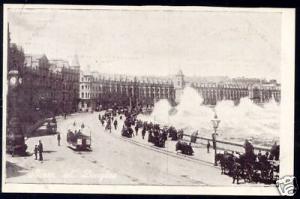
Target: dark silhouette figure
x,y
40,149
58,139
116,124
136,129
143,132
208,146
36,149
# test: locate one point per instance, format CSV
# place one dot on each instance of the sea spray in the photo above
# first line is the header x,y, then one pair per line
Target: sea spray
x,y
238,122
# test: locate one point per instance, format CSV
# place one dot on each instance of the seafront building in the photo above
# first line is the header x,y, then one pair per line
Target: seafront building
x,y
99,89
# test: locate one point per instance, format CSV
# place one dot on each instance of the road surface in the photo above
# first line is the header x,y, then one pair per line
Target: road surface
x,y
113,160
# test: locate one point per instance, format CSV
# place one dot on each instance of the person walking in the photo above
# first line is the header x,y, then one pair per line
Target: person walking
x,y
58,139
274,152
143,132
208,146
108,125
36,149
116,124
136,129
40,149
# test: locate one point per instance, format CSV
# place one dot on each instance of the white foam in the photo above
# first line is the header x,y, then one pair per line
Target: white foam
x,y
237,121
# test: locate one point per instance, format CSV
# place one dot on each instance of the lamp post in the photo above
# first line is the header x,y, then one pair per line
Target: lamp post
x,y
15,138
215,123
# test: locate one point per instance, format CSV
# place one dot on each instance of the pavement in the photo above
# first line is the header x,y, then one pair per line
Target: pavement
x,y
113,160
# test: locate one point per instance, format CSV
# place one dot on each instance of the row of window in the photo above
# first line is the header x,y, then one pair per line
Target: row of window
x,y
94,95
116,89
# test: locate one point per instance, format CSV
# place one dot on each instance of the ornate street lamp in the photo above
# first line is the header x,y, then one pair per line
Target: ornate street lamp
x,y
215,123
15,143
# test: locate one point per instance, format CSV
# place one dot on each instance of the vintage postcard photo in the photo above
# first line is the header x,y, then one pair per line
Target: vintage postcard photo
x,y
148,100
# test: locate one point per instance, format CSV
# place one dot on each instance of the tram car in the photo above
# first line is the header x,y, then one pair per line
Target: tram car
x,y
79,139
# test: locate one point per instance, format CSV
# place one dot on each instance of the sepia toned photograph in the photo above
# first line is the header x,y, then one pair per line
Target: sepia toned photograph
x,y
150,99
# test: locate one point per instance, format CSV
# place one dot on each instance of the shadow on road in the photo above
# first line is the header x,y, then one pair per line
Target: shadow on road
x,y
79,150
13,170
49,151
40,134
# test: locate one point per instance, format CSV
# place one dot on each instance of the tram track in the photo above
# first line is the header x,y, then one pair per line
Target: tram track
x,y
166,152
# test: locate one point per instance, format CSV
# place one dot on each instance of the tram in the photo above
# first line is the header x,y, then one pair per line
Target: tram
x,y
79,138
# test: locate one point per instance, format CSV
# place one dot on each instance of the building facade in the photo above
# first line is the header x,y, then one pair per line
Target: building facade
x,y
49,87
106,90
259,91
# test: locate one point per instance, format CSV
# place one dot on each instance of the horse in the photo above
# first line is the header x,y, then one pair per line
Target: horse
x,y
184,148
226,161
248,167
237,171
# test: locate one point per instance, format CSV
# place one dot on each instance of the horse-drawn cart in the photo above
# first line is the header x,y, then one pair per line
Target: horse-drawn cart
x,y
127,131
184,147
242,167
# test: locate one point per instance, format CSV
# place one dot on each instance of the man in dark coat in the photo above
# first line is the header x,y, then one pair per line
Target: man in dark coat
x,y
208,146
136,129
36,149
108,125
58,139
274,153
40,148
249,150
116,124
143,132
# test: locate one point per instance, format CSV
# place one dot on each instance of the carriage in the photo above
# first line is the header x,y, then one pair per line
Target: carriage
x,y
158,138
184,147
79,138
52,127
127,131
239,166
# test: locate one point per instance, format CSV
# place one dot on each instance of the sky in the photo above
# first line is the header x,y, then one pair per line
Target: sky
x,y
155,42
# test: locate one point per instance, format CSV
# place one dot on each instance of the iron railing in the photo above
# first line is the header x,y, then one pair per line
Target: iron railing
x,y
226,145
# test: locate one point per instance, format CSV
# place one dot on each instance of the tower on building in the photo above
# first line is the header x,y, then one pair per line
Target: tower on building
x,y
179,85
179,80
